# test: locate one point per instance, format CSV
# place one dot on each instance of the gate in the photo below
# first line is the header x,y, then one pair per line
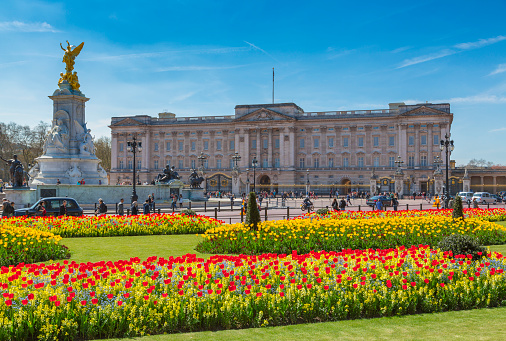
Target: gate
x,y
219,183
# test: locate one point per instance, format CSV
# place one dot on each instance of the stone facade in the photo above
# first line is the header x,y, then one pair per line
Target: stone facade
x,y
339,148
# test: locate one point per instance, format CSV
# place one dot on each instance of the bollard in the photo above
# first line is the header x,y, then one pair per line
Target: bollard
x,y
359,208
154,206
468,205
230,220
95,207
437,206
216,213
488,206
231,205
116,208
205,206
407,207
242,216
265,210
288,213
421,209
173,209
219,206
159,211
128,211
372,207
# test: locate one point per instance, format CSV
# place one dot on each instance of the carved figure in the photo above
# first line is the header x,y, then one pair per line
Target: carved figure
x,y
71,52
16,171
194,179
87,147
57,137
74,172
167,175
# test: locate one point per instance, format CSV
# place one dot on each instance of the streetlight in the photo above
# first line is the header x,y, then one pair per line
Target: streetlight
x,y
445,145
134,147
307,182
236,159
254,165
202,158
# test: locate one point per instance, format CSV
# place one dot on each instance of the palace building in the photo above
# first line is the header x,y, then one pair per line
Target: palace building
x,y
334,150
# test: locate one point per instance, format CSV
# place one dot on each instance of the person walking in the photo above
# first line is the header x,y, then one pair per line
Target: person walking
x,y
42,209
335,205
101,209
180,201
134,208
475,203
63,208
145,207
348,199
379,205
121,208
174,202
342,204
395,203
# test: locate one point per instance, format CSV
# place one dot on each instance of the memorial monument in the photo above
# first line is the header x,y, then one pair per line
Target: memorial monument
x,y
68,152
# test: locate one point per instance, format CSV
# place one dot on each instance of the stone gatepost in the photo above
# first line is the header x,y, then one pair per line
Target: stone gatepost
x,y
399,182
466,182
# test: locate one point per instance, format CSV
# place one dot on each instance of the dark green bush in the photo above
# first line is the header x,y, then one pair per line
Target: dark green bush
x,y
460,244
457,208
252,213
322,211
188,212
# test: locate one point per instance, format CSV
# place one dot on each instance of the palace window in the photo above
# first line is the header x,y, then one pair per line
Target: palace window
x,y
218,146
302,163
156,147
218,163
391,141
316,143
391,161
331,142
316,162
376,161
345,142
360,161
376,141
130,164
331,162
253,144
360,141
436,140
266,143
231,163
411,161
121,147
232,145
265,163
411,140
276,143
121,165
346,162
180,164
193,164
181,145
156,164
423,141
276,162
194,145
301,143
423,160
168,145
139,164
206,144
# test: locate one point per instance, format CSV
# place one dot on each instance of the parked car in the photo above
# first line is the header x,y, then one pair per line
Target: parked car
x,y
498,198
484,198
386,201
52,208
467,197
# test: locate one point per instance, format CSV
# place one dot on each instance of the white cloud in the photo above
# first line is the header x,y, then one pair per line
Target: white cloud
x,y
261,50
19,26
448,52
500,69
480,43
492,99
498,129
198,68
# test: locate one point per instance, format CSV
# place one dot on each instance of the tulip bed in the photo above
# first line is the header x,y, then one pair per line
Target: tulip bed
x,y
493,214
29,245
109,226
304,235
131,298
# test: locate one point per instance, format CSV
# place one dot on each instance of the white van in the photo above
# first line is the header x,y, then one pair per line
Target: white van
x,y
484,198
467,197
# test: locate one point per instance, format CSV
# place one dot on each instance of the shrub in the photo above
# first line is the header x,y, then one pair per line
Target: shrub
x,y
322,211
252,213
457,208
189,212
460,244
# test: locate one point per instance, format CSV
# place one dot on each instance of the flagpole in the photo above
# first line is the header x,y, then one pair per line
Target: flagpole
x,y
272,85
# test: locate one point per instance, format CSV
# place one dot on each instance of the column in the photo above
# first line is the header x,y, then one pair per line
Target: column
x,y
269,150
291,143
417,145
145,149
282,162
494,183
259,145
246,148
403,143
114,151
430,145
482,179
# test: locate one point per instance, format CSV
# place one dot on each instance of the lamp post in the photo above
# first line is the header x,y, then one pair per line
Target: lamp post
x,y
445,145
236,159
247,180
134,147
307,182
202,158
254,165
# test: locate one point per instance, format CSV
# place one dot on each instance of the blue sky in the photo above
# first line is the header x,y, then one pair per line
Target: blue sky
x,y
205,57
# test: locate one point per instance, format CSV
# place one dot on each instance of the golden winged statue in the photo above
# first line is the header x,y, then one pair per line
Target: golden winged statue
x,y
71,52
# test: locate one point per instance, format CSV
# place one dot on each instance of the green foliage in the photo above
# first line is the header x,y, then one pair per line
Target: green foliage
x,y
457,208
460,244
252,213
322,211
189,212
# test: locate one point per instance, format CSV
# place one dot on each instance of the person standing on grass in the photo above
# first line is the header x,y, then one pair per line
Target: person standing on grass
x,y
121,209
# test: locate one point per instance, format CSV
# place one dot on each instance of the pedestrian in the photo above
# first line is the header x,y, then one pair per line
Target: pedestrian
x,y
180,201
146,207
450,203
335,205
58,182
134,208
395,203
7,209
379,205
475,203
342,204
42,208
121,209
101,209
153,202
348,199
150,202
414,195
174,202
63,208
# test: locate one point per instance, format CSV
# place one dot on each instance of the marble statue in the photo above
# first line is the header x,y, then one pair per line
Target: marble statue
x,y
57,137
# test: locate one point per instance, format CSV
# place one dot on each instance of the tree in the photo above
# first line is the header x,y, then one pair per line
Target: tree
x,y
103,151
252,213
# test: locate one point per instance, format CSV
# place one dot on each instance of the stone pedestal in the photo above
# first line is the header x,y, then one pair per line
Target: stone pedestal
x,y
466,185
236,186
164,192
399,183
22,197
69,170
194,194
438,184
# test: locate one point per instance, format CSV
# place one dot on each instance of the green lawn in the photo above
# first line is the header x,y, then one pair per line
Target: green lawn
x,y
483,324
